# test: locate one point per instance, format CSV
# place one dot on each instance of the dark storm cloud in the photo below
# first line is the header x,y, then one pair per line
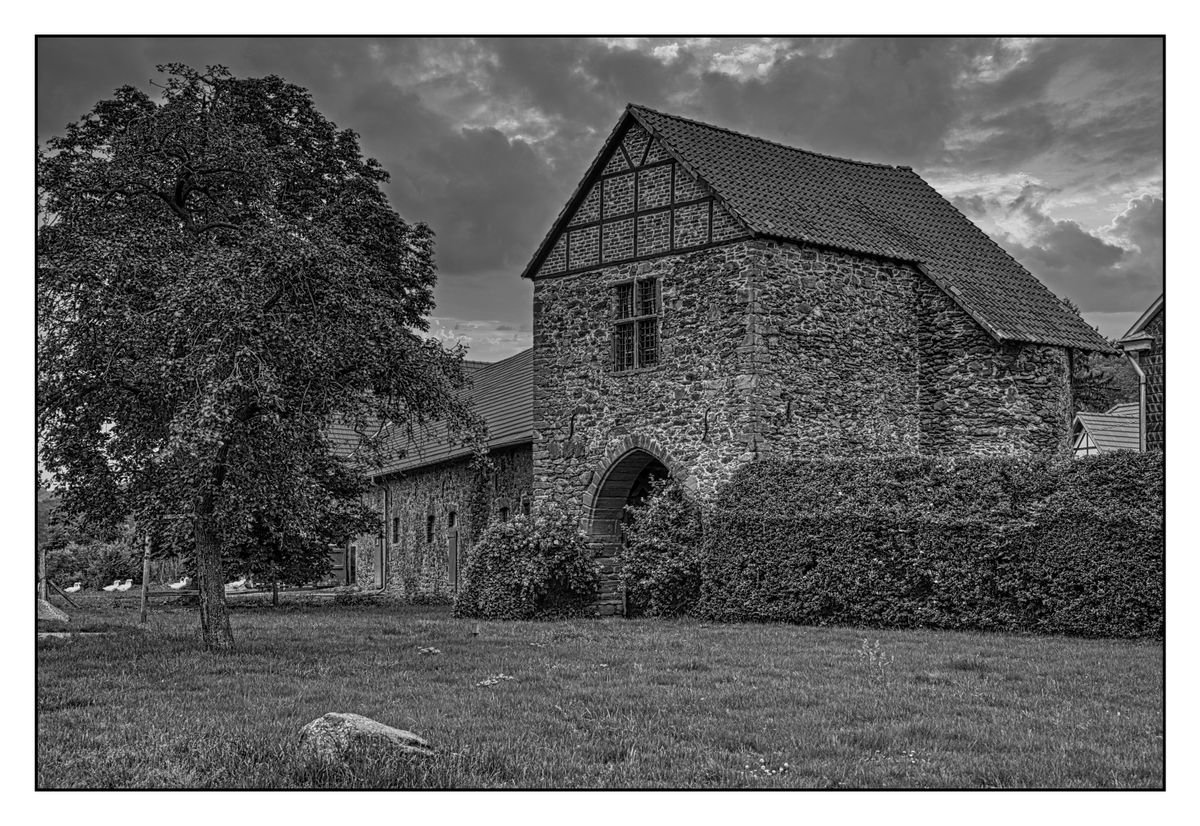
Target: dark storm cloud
x,y
488,198
1087,101
1101,275
890,100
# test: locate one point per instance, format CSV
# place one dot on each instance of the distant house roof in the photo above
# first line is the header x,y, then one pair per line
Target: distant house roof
x,y
1123,409
502,395
791,194
1117,429
1138,326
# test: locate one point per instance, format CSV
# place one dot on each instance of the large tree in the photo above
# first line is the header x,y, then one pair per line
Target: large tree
x,y
221,277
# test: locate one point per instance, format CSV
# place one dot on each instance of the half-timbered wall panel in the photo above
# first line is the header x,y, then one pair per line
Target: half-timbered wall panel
x,y
642,204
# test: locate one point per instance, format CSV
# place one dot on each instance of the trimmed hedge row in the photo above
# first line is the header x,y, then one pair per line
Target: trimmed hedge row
x,y
988,543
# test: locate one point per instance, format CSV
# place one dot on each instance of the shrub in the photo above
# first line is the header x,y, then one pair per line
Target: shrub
x,y
660,554
93,563
987,543
107,561
529,567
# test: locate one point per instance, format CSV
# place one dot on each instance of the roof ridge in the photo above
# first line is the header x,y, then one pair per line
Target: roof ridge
x,y
993,242
768,141
491,364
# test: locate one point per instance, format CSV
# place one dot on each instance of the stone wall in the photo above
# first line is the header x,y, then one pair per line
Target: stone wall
x,y
1153,364
416,548
834,344
694,401
770,348
980,397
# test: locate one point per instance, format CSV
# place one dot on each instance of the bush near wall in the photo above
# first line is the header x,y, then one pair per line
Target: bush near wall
x,y
660,554
984,543
529,568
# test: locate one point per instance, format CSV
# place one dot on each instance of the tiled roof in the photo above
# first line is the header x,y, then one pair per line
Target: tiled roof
x,y
344,439
502,395
886,211
1110,432
1123,409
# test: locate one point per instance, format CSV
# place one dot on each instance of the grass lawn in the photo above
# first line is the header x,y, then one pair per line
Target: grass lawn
x,y
592,703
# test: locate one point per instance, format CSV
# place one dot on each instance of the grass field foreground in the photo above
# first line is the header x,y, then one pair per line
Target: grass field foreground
x,y
591,704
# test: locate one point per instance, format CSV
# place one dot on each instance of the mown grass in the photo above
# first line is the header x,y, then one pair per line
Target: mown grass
x,y
593,704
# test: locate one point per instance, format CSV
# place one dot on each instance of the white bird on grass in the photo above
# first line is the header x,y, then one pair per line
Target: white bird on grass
x,y
175,586
236,585
126,585
116,583
73,588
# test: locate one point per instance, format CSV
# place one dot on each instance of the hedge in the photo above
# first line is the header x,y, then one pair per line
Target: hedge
x,y
988,544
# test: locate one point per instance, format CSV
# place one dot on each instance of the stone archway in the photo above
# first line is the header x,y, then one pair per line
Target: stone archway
x,y
624,479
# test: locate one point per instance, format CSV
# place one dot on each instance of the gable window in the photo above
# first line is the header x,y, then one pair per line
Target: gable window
x,y
635,327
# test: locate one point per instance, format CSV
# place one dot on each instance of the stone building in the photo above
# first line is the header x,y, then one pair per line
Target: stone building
x,y
707,298
1146,347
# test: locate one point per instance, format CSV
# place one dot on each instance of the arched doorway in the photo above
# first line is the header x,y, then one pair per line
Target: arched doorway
x,y
627,482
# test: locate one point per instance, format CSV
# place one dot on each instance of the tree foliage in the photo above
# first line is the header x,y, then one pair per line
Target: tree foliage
x,y
220,278
1100,380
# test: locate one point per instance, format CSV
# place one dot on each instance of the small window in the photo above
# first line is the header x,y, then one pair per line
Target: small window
x,y
451,519
525,505
395,529
429,528
504,514
635,328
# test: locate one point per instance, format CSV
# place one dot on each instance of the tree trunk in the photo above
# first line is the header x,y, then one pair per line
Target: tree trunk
x,y
275,593
210,579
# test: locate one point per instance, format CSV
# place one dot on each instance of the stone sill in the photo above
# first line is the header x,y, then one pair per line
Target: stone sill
x,y
635,371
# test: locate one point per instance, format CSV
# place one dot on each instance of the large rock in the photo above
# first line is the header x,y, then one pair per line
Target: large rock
x,y
331,737
46,611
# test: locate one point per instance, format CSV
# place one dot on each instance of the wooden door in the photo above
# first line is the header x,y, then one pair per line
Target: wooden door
x,y
452,549
377,573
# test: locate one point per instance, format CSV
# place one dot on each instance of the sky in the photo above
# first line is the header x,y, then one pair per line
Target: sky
x,y
1053,146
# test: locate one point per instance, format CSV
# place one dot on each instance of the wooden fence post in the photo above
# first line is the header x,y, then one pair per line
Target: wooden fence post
x,y
145,579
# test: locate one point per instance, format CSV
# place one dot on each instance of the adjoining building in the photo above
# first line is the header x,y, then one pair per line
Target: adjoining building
x,y
707,298
1146,347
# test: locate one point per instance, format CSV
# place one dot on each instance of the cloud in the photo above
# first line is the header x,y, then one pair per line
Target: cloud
x,y
1107,274
1053,146
882,99
485,340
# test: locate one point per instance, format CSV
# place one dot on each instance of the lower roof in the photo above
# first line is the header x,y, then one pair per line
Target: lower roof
x,y
502,395
1113,430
